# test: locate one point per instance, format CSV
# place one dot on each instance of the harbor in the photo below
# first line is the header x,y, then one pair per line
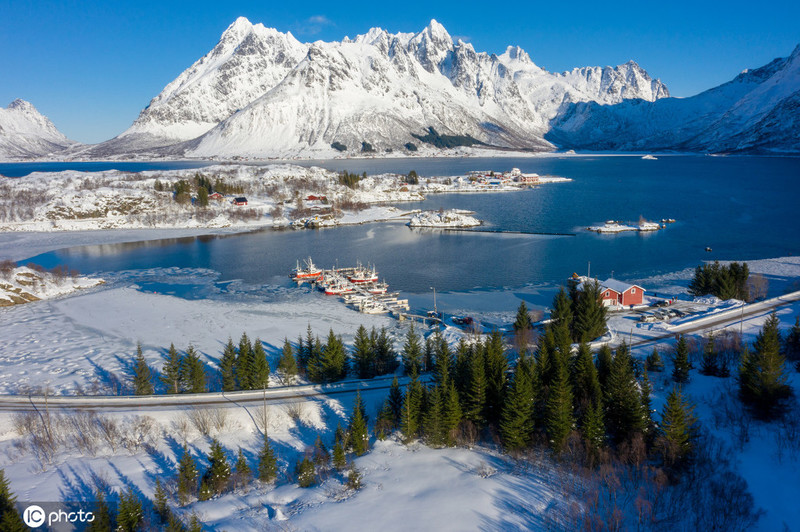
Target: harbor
x,y
358,287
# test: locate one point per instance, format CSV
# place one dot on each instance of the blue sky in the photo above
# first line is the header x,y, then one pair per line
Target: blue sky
x,y
92,67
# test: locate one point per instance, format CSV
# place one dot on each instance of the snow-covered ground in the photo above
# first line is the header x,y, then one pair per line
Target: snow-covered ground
x,y
86,341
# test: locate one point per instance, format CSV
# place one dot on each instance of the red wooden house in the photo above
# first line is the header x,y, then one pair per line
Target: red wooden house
x,y
616,293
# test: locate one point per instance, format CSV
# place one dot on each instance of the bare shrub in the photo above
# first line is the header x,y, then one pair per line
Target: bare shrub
x,y
757,287
296,411
109,429
202,419
25,423
141,432
7,269
261,418
220,419
182,426
86,432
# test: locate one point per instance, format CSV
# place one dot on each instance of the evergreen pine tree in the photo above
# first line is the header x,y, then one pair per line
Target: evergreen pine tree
x,y
194,524
267,462
461,367
604,361
385,355
647,406
321,454
103,520
193,373
792,343
244,364
306,473
624,414
142,383
187,477
129,513
287,365
383,424
412,410
516,423
559,419
160,505
443,361
315,370
242,470
359,435
363,363
10,519
395,403
496,376
227,366
334,359
476,397
592,427
427,357
433,418
590,313
412,352
680,372
522,322
562,310
763,381
654,362
710,365
585,381
339,457
171,371
451,415
218,474
300,356
259,375
677,427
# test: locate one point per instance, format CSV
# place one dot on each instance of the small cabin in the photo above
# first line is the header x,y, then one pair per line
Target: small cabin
x,y
240,201
215,196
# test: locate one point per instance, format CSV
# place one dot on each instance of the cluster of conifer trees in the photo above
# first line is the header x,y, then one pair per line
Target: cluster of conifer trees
x,y
724,281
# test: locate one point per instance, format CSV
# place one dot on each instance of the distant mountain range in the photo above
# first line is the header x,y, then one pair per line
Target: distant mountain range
x,y
262,93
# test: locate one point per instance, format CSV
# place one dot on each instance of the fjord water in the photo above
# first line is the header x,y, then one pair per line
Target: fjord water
x,y
744,208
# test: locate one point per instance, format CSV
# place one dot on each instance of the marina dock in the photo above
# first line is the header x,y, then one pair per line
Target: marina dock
x,y
358,287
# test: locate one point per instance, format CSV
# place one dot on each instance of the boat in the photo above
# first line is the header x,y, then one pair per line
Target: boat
x,y
363,275
337,288
308,273
378,288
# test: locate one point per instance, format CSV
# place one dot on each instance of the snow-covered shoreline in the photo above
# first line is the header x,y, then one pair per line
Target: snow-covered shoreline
x,y
25,285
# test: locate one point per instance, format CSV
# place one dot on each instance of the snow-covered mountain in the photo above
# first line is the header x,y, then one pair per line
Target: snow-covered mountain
x,y
758,111
25,132
260,92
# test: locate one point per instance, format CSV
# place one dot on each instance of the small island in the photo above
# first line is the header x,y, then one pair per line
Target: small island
x,y
449,218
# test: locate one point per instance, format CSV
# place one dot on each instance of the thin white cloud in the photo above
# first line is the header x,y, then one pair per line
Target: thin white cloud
x,y
314,24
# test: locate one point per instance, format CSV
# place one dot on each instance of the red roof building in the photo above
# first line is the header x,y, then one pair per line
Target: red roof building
x,y
616,293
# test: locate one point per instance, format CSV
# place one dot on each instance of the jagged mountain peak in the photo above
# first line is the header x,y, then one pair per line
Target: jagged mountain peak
x,y
22,105
25,132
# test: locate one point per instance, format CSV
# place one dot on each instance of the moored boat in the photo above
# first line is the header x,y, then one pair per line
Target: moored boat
x,y
308,273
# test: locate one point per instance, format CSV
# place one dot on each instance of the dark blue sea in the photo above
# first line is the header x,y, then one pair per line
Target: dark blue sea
x,y
743,208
